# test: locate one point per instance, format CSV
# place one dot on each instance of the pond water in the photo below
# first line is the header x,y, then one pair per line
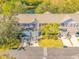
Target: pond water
x,y
27,34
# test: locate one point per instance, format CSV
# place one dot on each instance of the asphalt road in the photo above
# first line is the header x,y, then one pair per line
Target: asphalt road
x,y
38,53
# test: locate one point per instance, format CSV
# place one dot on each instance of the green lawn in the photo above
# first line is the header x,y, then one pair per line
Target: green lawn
x,y
13,43
50,43
6,56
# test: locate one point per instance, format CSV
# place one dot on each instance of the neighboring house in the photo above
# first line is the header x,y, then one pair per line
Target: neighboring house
x,y
71,24
67,21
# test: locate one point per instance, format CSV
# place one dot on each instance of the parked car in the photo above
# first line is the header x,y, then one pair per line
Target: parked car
x,y
77,34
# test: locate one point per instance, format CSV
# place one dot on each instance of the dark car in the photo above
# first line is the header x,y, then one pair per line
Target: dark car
x,y
77,34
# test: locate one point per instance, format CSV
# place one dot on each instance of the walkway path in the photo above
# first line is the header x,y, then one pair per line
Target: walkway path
x,y
66,42
74,41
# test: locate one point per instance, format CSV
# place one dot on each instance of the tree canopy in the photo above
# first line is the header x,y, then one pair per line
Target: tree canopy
x,y
10,6
8,22
58,6
40,6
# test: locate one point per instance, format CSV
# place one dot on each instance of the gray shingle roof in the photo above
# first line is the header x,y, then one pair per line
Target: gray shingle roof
x,y
46,18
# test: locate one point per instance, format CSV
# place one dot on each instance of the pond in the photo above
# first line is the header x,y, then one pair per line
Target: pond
x,y
27,34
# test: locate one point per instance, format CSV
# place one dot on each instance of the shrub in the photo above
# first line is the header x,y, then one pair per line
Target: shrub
x,y
49,30
9,43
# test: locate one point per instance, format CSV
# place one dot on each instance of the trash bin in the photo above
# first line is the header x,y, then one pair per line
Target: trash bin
x,y
65,46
